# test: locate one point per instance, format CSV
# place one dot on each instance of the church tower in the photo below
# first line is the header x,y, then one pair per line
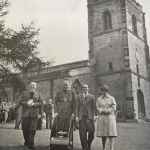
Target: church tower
x,y
119,54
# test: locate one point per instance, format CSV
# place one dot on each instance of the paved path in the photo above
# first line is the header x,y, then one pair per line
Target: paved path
x,y
132,136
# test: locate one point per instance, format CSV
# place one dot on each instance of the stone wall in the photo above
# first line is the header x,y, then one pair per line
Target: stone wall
x,y
108,49
137,55
96,24
132,9
44,89
145,88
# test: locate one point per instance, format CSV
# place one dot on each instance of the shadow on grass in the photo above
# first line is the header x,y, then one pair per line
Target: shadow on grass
x,y
61,147
5,128
13,148
23,148
36,148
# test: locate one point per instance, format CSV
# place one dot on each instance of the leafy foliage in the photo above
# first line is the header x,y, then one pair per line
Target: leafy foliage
x,y
18,49
3,5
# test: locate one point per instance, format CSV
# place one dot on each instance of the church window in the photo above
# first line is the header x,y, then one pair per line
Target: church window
x,y
126,51
134,24
123,3
107,20
110,66
138,77
126,63
137,68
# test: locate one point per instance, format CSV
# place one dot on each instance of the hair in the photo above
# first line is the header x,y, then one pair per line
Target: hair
x,y
105,88
85,85
33,83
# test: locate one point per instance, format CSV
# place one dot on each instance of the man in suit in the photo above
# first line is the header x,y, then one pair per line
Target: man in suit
x,y
85,112
31,109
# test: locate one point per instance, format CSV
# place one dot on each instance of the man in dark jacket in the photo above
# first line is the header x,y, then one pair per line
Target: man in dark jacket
x,y
31,104
85,112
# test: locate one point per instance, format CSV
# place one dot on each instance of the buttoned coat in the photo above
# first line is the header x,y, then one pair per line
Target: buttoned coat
x,y
30,111
106,122
86,105
65,103
64,106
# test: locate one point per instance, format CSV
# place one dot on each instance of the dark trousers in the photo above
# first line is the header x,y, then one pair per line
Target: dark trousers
x,y
17,124
29,126
39,124
86,132
18,121
4,116
48,121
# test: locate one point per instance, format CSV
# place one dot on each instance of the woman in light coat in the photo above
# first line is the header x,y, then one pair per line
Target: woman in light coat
x,y
106,122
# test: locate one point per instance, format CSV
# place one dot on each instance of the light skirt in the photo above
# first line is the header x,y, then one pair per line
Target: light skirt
x,y
106,126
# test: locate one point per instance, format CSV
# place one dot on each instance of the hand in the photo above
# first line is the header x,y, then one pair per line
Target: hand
x,y
95,118
30,102
55,115
77,119
105,113
72,116
77,123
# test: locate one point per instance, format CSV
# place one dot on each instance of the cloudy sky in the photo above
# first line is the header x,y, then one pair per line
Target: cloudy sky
x,y
63,26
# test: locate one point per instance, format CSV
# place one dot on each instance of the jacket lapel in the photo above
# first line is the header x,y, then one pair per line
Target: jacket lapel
x,y
84,100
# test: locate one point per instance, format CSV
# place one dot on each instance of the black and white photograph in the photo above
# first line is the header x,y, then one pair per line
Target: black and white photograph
x,y
74,75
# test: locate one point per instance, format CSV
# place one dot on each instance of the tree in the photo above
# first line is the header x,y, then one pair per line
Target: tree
x,y
3,5
18,49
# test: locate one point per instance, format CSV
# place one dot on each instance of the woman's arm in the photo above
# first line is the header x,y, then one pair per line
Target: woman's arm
x,y
73,103
36,104
112,107
37,101
98,107
77,106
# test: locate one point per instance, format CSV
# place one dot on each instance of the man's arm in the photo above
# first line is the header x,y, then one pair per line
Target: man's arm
x,y
39,102
77,107
36,104
112,107
56,100
94,105
23,98
74,102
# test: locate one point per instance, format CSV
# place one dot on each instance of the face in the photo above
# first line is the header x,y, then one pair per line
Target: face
x,y
32,86
102,91
85,89
50,101
66,86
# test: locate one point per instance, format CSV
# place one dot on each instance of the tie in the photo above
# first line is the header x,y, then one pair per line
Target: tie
x,y
84,95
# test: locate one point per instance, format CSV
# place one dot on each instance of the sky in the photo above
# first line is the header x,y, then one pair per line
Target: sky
x,y
63,26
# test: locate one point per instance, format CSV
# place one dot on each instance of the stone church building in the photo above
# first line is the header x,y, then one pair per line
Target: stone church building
x,y
118,56
119,53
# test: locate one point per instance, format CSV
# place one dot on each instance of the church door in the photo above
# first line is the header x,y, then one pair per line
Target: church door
x,y
141,104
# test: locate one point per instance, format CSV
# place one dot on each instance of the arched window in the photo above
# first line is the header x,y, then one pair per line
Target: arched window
x,y
107,20
123,3
134,24
110,66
